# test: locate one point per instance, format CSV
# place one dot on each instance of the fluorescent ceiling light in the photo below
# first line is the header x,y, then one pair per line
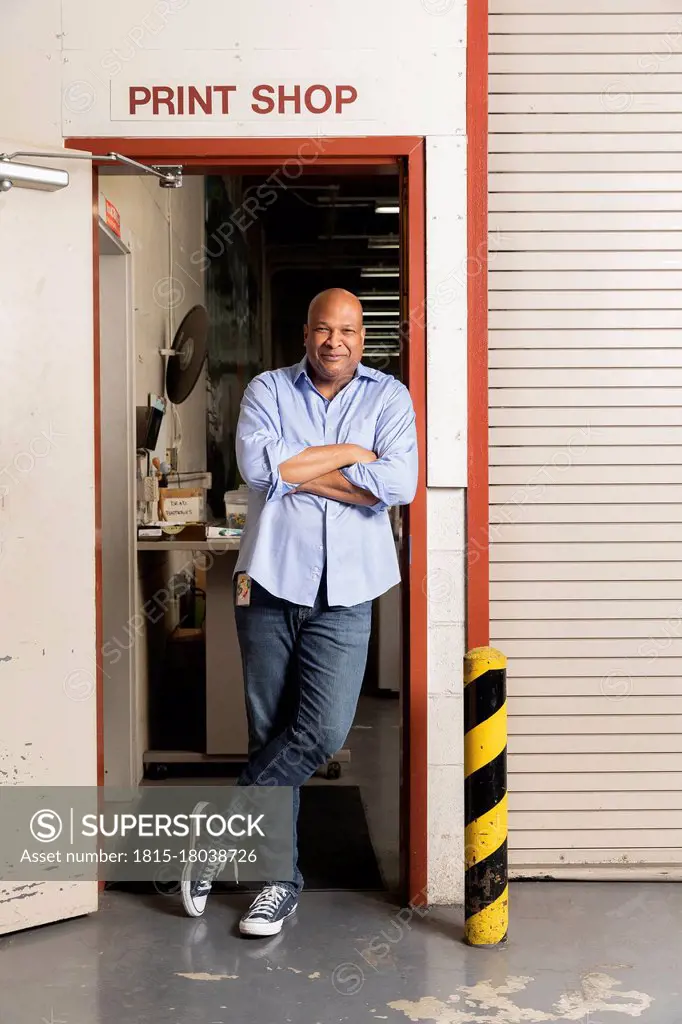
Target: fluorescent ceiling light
x,y
373,241
346,204
389,242
387,203
344,238
379,272
380,312
379,297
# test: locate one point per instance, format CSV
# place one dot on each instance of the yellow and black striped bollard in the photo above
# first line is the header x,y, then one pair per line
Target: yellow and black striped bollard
x,y
486,893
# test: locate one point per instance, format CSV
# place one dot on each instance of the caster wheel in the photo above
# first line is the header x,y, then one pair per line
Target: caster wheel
x,y
333,770
157,771
167,887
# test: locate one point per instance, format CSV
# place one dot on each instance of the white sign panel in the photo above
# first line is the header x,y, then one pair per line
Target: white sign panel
x,y
272,93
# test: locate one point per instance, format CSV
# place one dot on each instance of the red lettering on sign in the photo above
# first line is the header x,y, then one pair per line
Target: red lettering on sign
x,y
294,98
137,96
326,101
195,99
224,91
263,94
182,100
162,94
345,94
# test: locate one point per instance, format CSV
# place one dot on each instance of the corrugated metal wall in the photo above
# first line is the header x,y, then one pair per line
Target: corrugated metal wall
x,y
585,184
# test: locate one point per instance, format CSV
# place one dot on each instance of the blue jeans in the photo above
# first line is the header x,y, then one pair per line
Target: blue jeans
x,y
303,669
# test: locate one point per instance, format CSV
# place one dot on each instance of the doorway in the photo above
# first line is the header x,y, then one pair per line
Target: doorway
x,y
358,159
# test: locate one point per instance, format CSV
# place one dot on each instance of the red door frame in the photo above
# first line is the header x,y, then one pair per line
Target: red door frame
x,y
259,155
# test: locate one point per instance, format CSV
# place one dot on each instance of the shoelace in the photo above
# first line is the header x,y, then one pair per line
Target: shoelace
x,y
269,900
211,869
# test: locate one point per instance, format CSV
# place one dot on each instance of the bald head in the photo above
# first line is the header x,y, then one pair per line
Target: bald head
x,y
334,297
334,337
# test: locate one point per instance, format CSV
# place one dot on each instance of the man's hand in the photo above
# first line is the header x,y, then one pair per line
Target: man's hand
x,y
319,460
362,455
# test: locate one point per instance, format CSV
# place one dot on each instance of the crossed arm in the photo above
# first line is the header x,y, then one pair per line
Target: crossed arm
x,y
326,462
343,472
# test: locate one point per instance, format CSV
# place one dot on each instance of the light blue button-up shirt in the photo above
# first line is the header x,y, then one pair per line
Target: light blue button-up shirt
x,y
290,536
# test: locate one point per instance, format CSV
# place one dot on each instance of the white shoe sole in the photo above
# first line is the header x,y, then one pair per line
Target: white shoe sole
x,y
262,929
186,879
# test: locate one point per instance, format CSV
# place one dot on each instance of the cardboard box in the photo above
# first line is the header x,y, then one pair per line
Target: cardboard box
x,y
182,504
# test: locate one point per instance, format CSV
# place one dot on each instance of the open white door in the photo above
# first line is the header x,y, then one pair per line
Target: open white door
x,y
48,722
122,759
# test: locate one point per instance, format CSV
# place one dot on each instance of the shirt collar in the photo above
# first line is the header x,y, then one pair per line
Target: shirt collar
x,y
301,370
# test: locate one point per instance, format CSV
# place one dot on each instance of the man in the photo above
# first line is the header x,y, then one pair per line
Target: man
x,y
326,447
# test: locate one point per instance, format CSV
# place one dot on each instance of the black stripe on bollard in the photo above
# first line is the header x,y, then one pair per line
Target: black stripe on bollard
x,y
483,697
485,797
485,788
487,880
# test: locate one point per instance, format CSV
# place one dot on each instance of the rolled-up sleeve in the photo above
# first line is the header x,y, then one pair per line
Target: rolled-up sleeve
x,y
392,478
260,446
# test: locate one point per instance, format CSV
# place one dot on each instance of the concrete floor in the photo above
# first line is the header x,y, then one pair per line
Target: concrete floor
x,y
590,952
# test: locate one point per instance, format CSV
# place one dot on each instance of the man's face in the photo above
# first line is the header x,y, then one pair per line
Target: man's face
x,y
334,337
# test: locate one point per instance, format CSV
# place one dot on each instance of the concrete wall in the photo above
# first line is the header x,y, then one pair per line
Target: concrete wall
x,y
70,70
47,524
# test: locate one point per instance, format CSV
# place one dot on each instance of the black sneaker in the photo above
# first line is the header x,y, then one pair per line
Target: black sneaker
x,y
199,875
268,912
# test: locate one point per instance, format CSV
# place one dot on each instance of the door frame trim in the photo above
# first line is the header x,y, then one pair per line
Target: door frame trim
x,y
121,761
204,156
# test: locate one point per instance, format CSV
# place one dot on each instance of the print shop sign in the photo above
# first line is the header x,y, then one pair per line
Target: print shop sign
x,y
163,102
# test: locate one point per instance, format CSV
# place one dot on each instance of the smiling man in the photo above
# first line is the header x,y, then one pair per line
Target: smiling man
x,y
326,447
